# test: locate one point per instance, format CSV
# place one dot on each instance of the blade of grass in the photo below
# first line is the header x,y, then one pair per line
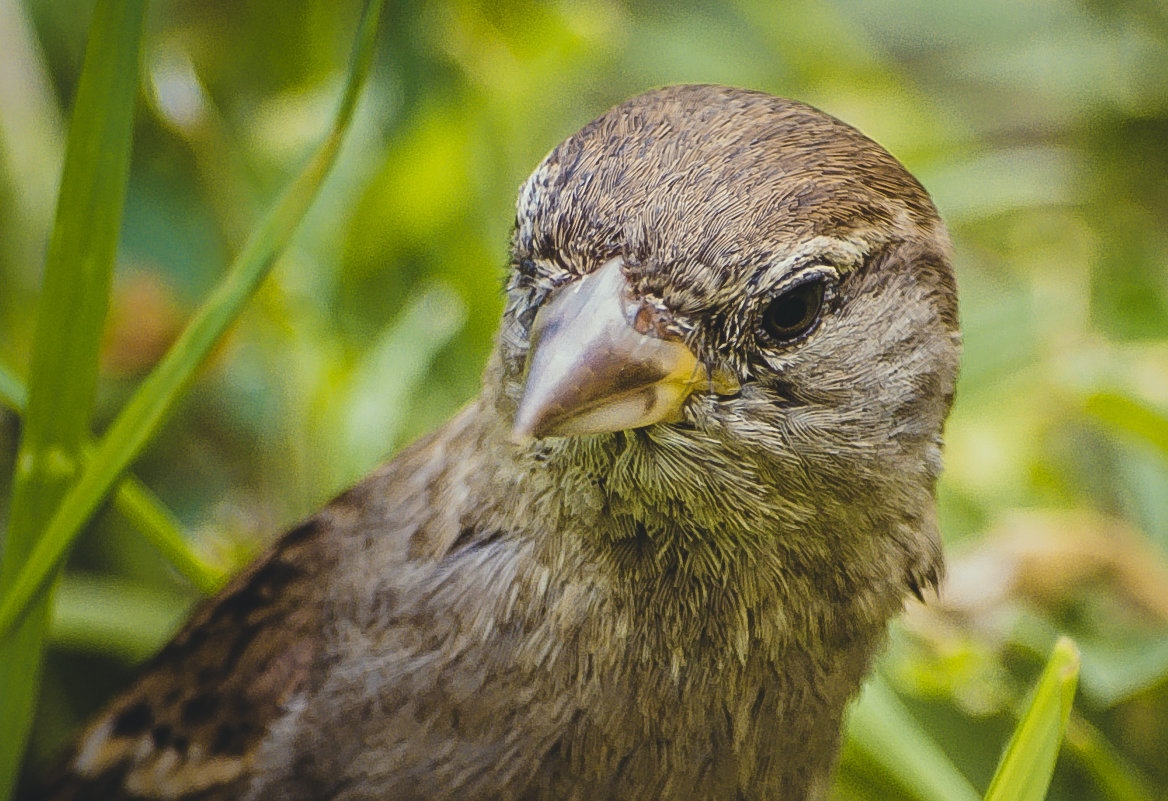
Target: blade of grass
x,y
885,733
114,617
70,315
369,415
1116,777
148,407
139,506
1024,772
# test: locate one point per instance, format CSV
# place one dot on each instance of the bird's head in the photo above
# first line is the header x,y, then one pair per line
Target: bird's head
x,y
716,275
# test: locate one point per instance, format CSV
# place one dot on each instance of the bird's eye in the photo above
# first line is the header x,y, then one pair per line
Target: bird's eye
x,y
795,312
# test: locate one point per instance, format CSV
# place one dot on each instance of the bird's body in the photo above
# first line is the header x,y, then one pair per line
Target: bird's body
x,y
536,602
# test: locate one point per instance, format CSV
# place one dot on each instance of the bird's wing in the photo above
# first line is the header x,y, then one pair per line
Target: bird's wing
x,y
191,725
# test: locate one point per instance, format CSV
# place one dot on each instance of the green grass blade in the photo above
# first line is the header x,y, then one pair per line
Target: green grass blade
x,y
377,390
1115,775
886,734
139,506
149,405
70,315
145,512
1028,762
114,617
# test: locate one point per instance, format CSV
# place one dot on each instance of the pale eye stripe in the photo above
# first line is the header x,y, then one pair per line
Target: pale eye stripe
x,y
845,255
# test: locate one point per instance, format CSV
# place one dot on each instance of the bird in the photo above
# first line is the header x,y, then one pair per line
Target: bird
x,y
655,557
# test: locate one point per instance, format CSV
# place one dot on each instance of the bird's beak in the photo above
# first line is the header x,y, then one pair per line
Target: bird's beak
x,y
597,364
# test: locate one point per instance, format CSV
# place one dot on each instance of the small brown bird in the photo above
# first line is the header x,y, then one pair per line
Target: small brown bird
x,y
654,558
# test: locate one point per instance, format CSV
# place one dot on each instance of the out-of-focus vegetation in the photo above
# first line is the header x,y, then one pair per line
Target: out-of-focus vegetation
x,y
1041,130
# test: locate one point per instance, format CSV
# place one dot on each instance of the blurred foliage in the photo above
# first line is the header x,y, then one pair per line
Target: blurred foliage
x,y
1040,129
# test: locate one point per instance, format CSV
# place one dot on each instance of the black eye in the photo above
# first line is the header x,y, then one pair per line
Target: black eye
x,y
793,313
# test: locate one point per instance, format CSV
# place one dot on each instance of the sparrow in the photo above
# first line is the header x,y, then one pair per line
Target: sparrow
x,y
655,557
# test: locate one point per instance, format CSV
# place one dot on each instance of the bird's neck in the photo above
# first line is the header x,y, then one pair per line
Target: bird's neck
x,y
675,542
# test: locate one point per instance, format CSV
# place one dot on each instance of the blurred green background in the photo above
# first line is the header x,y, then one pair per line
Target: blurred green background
x,y
1041,129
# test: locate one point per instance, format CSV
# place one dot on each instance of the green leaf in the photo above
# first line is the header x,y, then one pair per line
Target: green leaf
x,y
886,734
139,506
146,410
369,414
70,315
1116,776
114,616
1028,762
